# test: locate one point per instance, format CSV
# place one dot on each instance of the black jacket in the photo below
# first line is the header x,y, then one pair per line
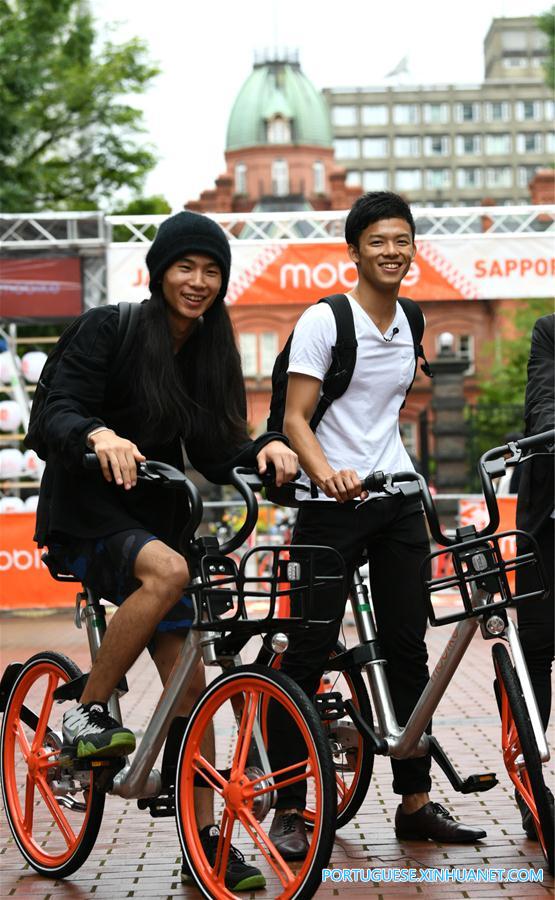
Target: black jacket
x,y
536,489
83,395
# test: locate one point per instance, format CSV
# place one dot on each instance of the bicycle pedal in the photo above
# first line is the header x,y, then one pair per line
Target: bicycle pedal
x,y
477,783
159,807
329,706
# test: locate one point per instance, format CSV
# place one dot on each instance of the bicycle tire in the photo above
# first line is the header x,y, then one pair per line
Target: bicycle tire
x,y
350,796
252,684
518,741
31,822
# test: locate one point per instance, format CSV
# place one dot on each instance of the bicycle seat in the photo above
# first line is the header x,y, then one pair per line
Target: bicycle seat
x,y
56,570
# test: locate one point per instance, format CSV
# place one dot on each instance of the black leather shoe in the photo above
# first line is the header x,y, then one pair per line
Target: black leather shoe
x,y
435,823
288,834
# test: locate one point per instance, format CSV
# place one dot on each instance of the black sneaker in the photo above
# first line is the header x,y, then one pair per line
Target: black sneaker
x,y
91,731
239,876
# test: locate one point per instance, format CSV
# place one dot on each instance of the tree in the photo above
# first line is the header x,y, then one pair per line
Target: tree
x,y
155,205
68,139
547,24
500,409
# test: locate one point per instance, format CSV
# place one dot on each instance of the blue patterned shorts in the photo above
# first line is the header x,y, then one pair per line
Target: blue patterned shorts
x,y
106,566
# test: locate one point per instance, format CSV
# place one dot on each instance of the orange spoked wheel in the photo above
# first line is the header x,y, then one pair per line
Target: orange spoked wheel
x,y
520,751
353,757
241,783
54,811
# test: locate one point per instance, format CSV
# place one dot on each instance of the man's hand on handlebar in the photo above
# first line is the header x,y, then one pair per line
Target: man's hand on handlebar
x,y
283,459
342,486
117,456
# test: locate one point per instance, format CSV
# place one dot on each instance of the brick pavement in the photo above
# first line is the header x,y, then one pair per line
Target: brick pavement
x,y
136,856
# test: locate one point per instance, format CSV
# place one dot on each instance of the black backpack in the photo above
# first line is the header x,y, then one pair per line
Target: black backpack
x,y
127,325
338,377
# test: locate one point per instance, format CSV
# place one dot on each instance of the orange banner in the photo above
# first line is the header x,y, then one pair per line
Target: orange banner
x,y
25,581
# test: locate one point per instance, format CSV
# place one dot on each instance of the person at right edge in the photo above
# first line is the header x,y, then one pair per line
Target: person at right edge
x,y
358,434
535,513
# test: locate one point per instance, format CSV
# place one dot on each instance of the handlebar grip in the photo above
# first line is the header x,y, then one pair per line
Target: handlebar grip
x,y
546,438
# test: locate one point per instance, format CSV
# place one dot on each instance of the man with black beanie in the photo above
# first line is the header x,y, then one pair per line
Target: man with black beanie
x,y
181,386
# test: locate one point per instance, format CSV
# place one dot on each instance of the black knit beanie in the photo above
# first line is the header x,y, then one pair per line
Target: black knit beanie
x,y
188,232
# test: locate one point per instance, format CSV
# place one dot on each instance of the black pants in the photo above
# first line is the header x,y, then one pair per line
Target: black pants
x,y
393,532
536,623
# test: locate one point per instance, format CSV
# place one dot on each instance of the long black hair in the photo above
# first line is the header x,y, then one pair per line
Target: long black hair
x,y
199,392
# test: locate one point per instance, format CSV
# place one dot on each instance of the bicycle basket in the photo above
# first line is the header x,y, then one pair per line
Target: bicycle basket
x,y
484,563
270,583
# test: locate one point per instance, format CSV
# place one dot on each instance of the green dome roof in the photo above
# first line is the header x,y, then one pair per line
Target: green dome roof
x,y
278,88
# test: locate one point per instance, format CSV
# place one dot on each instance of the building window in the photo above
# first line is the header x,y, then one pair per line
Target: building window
x,y
318,177
280,178
406,113
437,179
347,148
468,144
279,131
268,350
436,113
408,179
515,62
377,180
464,344
497,111
375,147
258,353
529,110
437,145
408,436
530,142
249,355
499,176
407,146
353,178
498,144
344,115
550,142
375,114
549,110
525,174
469,177
240,178
468,112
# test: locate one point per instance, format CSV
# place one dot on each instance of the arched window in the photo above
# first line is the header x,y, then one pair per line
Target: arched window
x,y
318,177
279,131
240,178
280,178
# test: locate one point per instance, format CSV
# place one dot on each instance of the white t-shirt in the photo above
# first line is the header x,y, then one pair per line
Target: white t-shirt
x,y
360,430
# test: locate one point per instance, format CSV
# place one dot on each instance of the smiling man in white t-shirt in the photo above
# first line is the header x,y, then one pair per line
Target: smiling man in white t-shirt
x,y
359,433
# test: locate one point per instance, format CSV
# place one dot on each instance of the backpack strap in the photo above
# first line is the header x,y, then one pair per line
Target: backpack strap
x,y
343,359
129,314
343,356
416,322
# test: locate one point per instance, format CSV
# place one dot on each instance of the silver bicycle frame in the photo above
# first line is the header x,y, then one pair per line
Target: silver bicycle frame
x,y
138,779
411,740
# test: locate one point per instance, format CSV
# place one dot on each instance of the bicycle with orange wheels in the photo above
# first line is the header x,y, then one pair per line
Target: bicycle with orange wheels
x,y
54,801
478,569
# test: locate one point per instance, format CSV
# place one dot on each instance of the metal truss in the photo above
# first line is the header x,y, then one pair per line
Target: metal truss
x,y
329,226
55,230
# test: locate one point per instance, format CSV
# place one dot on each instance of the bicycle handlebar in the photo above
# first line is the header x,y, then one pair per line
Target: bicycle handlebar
x,y
246,480
492,465
169,477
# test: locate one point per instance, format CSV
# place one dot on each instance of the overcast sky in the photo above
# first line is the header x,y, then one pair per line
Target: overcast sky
x,y
205,51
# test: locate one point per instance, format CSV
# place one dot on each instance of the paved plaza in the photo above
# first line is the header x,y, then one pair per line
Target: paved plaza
x,y
137,856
